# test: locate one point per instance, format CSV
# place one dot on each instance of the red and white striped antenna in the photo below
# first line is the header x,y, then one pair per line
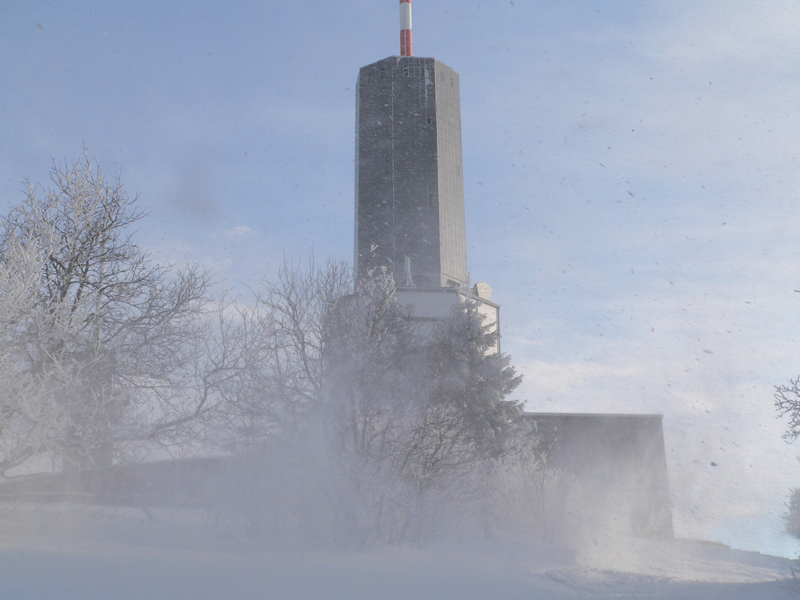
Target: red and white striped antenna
x,y
405,28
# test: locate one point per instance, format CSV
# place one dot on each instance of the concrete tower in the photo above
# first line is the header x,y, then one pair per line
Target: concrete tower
x,y
410,185
409,181
410,221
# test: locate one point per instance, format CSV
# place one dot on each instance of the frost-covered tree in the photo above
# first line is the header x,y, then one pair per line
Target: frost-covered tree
x,y
532,497
28,418
787,403
792,518
421,406
283,335
390,415
101,341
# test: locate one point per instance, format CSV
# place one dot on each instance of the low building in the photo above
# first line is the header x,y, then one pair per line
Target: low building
x,y
619,465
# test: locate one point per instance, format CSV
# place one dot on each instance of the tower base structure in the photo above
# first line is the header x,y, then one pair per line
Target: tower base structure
x,y
431,304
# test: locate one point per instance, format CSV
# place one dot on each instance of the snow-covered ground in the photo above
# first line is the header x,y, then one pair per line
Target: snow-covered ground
x,y
105,554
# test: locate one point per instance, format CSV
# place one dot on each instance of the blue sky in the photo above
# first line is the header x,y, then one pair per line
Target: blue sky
x,y
630,172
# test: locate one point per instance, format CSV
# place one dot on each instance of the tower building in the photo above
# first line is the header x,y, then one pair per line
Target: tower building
x,y
409,205
409,220
409,180
409,183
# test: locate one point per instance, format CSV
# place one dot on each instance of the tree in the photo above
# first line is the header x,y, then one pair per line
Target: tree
x,y
103,340
447,418
531,496
28,417
787,402
389,415
284,335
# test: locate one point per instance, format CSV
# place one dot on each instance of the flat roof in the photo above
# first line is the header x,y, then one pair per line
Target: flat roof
x,y
596,415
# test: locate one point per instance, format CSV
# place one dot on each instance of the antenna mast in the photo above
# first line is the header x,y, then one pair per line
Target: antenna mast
x,y
405,28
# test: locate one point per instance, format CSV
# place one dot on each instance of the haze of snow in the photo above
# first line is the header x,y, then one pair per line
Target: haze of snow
x,y
88,554
630,177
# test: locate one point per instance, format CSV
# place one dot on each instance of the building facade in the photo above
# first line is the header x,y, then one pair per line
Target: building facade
x,y
409,215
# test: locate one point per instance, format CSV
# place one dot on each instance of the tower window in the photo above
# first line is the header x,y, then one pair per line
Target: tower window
x,y
430,120
405,71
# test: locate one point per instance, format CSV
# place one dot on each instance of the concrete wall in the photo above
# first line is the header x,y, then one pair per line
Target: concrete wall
x,y
189,483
